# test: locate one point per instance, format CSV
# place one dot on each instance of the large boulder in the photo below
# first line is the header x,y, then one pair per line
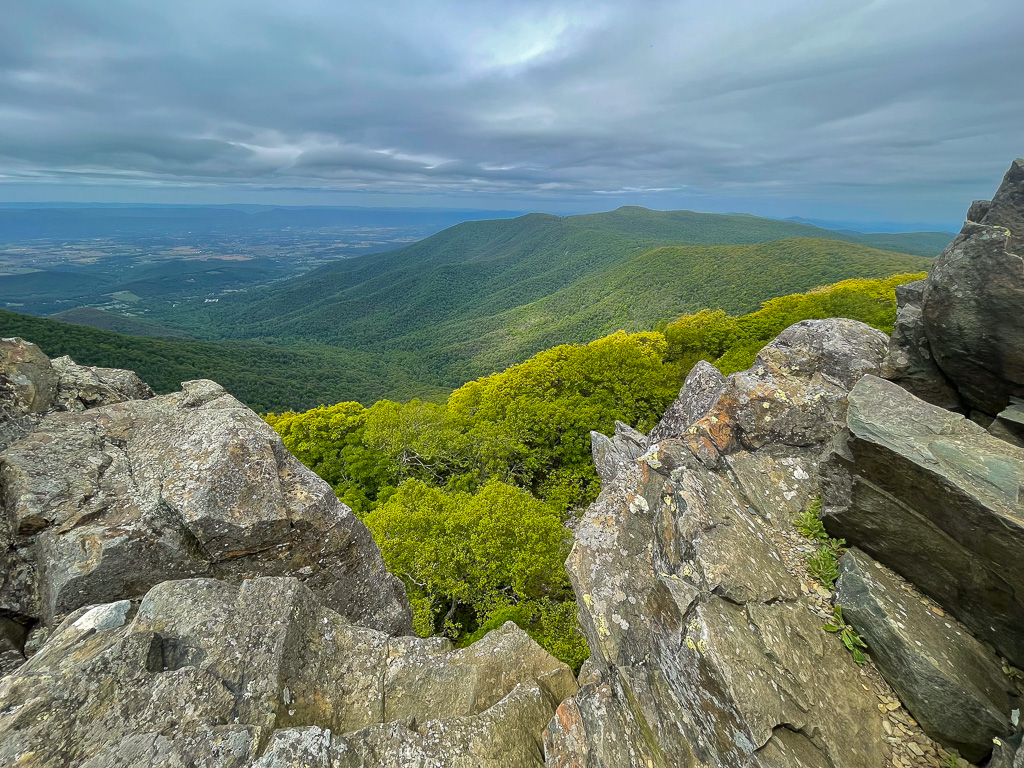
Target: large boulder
x,y
83,386
28,387
952,684
973,297
706,645
32,385
206,673
104,503
909,361
933,496
707,649
794,394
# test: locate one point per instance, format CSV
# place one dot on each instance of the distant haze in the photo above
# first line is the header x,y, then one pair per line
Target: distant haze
x,y
854,110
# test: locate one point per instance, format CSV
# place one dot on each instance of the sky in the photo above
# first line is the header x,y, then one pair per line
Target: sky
x,y
863,110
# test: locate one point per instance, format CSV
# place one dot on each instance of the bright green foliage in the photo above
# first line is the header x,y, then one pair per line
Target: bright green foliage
x,y
731,343
552,624
853,642
809,522
472,560
531,424
330,440
823,563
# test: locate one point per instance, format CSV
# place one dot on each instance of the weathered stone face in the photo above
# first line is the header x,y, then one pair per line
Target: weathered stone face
x,y
109,501
32,385
910,362
705,649
951,683
28,387
703,386
972,301
937,499
205,673
795,393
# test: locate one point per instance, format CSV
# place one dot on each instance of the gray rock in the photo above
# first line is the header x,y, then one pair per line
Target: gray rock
x,y
1009,423
972,301
1008,753
206,673
909,361
80,387
937,499
952,685
597,728
105,503
612,454
701,390
28,383
710,653
795,393
12,645
28,387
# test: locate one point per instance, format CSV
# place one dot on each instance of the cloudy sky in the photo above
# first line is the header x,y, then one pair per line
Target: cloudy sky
x,y
899,110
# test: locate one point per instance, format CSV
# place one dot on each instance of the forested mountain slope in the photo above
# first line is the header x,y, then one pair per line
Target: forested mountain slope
x,y
266,377
482,295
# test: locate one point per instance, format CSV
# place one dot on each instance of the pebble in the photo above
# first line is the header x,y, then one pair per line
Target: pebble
x,y
912,746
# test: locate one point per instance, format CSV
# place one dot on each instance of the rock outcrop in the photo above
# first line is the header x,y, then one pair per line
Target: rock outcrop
x,y
706,648
793,396
32,386
951,683
104,503
964,326
909,361
207,673
933,496
703,386
1009,423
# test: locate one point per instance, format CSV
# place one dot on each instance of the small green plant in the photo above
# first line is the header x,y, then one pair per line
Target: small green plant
x,y
809,522
950,759
823,563
847,634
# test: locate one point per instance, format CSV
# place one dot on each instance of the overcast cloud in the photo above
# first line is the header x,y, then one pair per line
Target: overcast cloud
x,y
898,109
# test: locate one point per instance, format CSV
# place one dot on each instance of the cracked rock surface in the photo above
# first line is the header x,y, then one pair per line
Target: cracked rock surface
x,y
706,649
207,673
104,503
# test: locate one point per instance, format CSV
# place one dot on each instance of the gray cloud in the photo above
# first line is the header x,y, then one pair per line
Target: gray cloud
x,y
898,108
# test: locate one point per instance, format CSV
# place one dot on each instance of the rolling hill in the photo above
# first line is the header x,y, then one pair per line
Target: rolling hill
x,y
482,295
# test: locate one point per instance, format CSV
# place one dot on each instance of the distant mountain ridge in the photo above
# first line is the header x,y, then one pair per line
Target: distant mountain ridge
x,y
482,295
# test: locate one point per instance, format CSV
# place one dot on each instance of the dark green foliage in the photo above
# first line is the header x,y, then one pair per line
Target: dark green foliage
x,y
265,377
481,296
112,321
853,642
